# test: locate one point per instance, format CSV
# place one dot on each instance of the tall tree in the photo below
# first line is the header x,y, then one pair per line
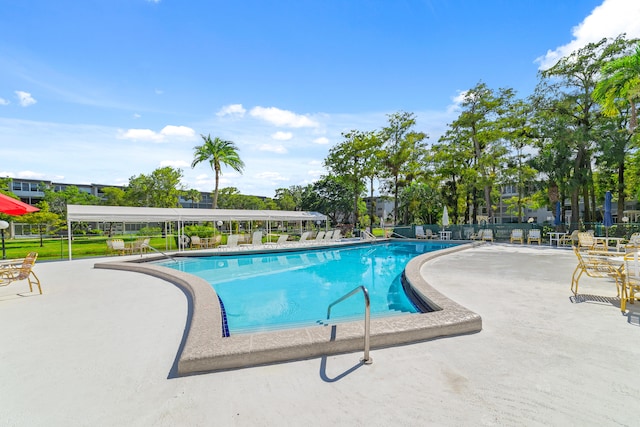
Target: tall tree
x,y
330,196
161,189
352,160
566,90
70,195
114,196
291,199
519,137
618,92
192,195
452,162
217,152
482,125
42,219
231,198
620,82
405,152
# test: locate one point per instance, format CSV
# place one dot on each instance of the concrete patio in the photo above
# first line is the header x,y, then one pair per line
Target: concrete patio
x,y
99,349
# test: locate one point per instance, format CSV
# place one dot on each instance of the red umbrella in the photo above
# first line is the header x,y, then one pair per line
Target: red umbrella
x,y
12,206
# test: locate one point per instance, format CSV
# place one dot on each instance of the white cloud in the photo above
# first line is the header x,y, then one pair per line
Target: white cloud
x,y
181,131
235,110
279,149
175,163
280,117
24,98
282,136
271,176
322,140
167,132
136,116
141,135
610,19
30,175
4,101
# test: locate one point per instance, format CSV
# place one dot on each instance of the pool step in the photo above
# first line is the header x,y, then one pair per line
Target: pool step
x,y
321,322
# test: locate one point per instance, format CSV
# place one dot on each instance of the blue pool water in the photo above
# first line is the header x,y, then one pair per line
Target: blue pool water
x,y
293,289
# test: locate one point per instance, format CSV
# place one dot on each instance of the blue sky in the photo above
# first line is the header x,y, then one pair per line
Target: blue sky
x,y
99,91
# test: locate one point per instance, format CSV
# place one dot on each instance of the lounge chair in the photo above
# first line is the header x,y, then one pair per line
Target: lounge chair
x,y
319,236
20,270
282,240
328,235
420,232
232,242
214,242
517,235
109,247
196,242
631,279
139,246
487,235
534,236
597,267
633,244
569,239
477,236
118,246
468,232
304,238
586,241
429,234
256,238
337,235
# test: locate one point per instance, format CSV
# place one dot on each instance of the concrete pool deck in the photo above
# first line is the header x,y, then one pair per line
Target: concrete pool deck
x,y
99,348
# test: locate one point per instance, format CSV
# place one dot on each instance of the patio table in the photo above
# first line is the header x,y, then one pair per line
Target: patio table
x,y
555,236
605,242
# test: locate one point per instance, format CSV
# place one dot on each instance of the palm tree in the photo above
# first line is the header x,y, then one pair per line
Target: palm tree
x,y
217,152
620,84
621,80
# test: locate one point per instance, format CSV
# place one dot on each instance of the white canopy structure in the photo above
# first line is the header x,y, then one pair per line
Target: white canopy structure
x,y
90,213
87,213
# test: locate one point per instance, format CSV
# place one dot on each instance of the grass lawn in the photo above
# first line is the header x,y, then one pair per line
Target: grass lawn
x,y
85,246
82,247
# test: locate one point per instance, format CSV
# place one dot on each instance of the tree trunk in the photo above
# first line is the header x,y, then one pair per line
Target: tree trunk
x,y
621,197
575,206
215,192
395,200
372,207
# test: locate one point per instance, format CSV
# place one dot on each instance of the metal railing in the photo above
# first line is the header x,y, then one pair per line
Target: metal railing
x,y
147,246
365,235
366,359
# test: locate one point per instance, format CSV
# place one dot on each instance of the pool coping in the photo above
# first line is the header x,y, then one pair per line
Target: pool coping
x,y
205,351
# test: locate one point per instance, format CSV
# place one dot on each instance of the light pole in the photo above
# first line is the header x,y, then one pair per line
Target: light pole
x,y
3,226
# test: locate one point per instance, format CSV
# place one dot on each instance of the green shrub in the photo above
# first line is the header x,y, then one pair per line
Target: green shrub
x,y
150,231
202,231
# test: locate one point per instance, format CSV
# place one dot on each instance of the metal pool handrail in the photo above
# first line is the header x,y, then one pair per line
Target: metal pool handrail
x,y
366,359
365,235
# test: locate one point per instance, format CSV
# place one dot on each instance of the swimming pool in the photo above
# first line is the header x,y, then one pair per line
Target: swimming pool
x,y
204,349
262,292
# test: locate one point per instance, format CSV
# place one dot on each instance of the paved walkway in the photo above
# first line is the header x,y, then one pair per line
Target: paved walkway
x,y
98,348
